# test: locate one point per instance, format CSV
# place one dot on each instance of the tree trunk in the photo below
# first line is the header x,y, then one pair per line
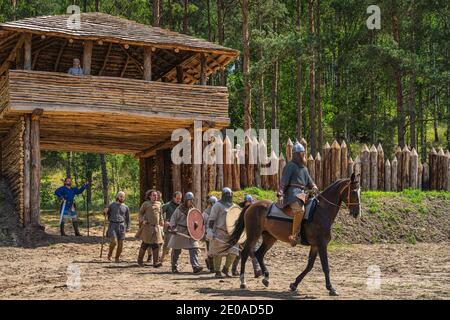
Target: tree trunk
x,y
319,79
312,113
276,71
104,180
170,15
221,35
262,105
97,5
299,128
156,13
186,17
246,64
398,81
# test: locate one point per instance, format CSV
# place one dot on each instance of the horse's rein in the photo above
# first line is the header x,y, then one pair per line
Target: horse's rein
x,y
347,203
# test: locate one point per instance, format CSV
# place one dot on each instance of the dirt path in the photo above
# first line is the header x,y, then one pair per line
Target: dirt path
x,y
420,271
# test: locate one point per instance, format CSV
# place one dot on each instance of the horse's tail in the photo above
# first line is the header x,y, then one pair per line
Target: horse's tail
x,y
238,228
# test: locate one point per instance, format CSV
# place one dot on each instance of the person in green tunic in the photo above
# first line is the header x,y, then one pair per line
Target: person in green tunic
x,y
168,209
295,178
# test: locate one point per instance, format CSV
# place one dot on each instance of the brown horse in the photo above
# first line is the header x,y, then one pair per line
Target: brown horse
x,y
317,232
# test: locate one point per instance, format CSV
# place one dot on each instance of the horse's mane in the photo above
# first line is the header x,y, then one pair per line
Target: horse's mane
x,y
334,185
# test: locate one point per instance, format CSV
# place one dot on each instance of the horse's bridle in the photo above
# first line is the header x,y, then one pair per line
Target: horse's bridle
x,y
347,203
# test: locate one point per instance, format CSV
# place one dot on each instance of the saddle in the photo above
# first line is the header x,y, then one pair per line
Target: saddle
x,y
287,209
285,213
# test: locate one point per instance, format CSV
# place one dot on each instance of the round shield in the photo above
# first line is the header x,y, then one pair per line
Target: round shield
x,y
195,224
232,216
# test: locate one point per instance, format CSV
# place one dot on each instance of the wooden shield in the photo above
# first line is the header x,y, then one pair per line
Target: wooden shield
x,y
195,224
232,216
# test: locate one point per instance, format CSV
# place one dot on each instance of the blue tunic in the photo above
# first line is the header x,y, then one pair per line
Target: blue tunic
x,y
69,194
76,71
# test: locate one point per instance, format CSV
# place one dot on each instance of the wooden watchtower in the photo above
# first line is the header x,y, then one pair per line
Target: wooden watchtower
x,y
139,84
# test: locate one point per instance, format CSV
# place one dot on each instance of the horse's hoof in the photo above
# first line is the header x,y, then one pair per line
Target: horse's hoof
x,y
265,282
293,287
258,273
243,286
333,293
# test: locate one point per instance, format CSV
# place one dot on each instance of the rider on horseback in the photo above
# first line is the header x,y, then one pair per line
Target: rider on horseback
x,y
294,180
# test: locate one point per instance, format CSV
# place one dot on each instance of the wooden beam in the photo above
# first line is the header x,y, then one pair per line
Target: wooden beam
x,y
180,74
125,67
26,171
87,56
27,51
60,53
12,55
203,69
35,167
105,61
148,63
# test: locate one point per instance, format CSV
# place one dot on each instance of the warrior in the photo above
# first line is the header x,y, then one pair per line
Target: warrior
x,y
76,70
168,209
206,213
218,236
151,220
118,215
67,195
294,180
150,249
180,238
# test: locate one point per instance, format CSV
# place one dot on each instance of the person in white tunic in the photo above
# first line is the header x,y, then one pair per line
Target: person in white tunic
x,y
218,236
206,213
177,242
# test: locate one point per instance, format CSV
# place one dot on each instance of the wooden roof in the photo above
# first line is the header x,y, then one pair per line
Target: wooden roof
x,y
101,26
118,48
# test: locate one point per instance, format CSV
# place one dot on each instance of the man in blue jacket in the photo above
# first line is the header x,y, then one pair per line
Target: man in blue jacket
x,y
67,195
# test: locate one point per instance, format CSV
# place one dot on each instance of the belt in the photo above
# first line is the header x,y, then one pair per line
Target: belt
x,y
296,185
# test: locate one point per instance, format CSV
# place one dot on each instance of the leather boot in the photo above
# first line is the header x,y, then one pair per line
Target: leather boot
x,y
61,229
156,263
119,250
141,255
75,227
149,252
296,226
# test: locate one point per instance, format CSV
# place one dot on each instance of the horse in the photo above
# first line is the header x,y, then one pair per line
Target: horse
x,y
317,232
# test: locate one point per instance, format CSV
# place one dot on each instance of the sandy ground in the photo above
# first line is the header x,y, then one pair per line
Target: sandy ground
x,y
420,271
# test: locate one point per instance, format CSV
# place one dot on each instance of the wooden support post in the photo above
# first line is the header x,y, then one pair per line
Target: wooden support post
x,y
258,164
318,171
425,176
373,168
394,174
419,176
433,168
87,56
387,175
398,155
180,74
414,169
326,171
282,164
203,69
344,161
289,147
311,167
35,167
304,143
197,158
365,168
335,161
27,51
406,163
26,171
350,167
447,154
147,63
357,168
228,160
176,177
381,171
441,170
